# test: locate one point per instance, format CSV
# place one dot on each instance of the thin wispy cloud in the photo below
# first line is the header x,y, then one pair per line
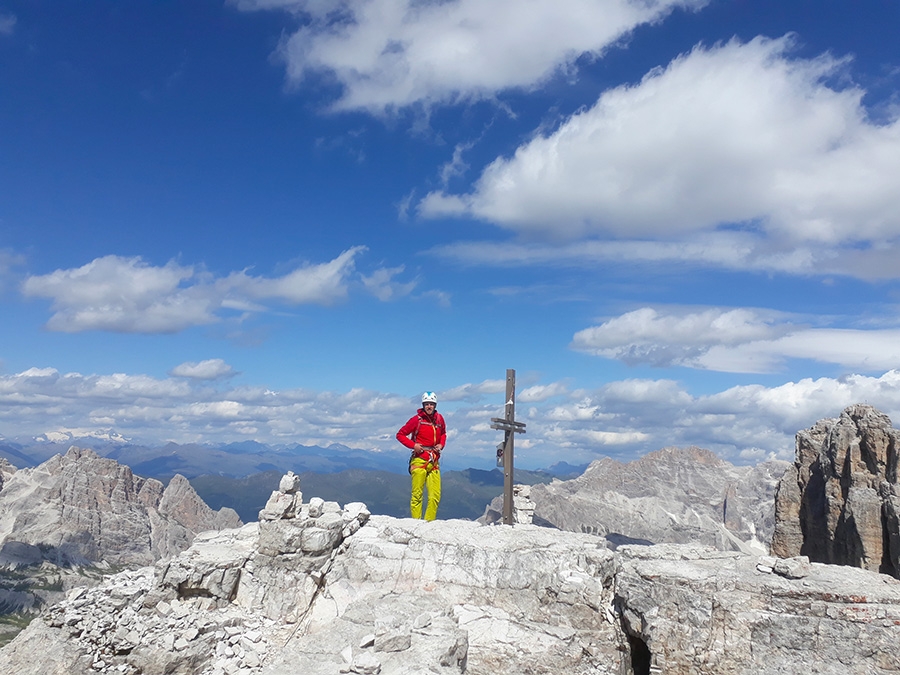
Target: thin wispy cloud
x,y
7,23
210,369
383,284
10,263
727,250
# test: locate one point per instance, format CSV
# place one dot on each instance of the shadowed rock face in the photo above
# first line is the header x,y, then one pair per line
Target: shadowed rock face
x,y
80,509
673,495
6,471
840,502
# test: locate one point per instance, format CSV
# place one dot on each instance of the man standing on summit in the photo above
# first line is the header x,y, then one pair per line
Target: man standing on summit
x,y
426,435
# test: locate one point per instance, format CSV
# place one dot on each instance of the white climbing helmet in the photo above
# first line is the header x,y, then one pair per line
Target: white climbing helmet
x,y
429,397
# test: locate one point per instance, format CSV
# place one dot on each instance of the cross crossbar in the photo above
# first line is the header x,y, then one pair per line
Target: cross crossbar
x,y
504,425
500,420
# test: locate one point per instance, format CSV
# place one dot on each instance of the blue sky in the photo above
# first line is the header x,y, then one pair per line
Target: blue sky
x,y
282,220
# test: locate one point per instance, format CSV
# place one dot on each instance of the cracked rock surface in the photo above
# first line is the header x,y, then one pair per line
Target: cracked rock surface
x,y
317,588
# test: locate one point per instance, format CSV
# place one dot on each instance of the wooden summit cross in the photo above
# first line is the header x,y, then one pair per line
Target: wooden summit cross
x,y
509,425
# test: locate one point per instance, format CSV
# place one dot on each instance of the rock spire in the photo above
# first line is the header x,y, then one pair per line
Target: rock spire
x,y
840,501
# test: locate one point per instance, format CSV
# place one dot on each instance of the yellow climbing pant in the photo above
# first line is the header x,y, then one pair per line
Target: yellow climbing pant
x,y
424,475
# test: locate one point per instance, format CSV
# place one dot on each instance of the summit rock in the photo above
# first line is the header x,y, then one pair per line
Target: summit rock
x,y
343,592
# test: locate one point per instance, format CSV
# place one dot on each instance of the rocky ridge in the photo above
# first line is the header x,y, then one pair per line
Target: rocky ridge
x,y
673,495
840,500
316,588
77,516
80,508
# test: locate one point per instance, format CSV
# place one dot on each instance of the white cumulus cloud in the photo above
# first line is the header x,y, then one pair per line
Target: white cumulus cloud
x,y
735,135
389,54
541,392
473,391
623,419
735,340
128,295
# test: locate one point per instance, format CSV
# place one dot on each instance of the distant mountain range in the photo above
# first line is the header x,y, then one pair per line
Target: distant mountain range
x,y
234,460
242,475
465,494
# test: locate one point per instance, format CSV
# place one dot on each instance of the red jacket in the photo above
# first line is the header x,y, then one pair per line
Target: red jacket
x,y
424,430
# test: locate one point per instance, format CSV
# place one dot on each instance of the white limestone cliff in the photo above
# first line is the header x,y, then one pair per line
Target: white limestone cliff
x,y
79,508
673,495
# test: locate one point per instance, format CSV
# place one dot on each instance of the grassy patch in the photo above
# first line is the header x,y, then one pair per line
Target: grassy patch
x,y
11,625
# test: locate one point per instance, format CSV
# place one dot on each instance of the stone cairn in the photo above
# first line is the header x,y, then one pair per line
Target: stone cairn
x,y
522,510
211,608
523,506
286,501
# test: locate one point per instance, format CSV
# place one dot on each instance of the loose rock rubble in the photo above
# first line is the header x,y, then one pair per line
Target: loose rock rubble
x,y
118,633
211,609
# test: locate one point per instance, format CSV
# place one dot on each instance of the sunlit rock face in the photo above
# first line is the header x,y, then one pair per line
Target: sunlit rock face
x,y
840,501
317,588
76,517
79,508
673,495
